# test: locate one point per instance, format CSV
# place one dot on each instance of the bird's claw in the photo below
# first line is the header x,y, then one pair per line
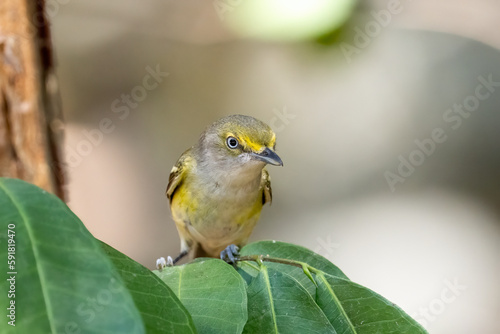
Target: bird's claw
x,y
230,254
162,263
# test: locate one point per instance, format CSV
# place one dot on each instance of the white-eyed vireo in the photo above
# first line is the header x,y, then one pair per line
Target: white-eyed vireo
x,y
217,188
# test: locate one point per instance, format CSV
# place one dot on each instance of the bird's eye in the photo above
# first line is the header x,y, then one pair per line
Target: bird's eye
x,y
232,142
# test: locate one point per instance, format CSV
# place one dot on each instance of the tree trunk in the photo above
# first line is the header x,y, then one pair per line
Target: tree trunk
x,y
30,121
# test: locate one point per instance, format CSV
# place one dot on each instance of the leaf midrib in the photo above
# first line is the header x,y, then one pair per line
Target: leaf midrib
x,y
336,300
180,283
269,292
36,255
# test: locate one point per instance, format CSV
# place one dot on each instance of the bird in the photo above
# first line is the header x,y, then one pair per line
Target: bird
x,y
219,186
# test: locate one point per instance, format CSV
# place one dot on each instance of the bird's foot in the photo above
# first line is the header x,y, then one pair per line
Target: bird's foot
x,y
162,263
230,254
169,262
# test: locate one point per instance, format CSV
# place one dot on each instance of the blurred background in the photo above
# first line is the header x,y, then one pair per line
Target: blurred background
x,y
386,114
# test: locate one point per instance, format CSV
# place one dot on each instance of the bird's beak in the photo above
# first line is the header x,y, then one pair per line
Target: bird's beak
x,y
268,156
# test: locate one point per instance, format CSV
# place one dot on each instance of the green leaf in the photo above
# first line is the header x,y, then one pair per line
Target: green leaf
x,y
63,280
288,251
349,307
353,308
212,292
292,252
160,309
277,303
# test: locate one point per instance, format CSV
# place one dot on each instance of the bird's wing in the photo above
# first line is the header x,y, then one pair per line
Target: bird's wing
x,y
177,174
267,193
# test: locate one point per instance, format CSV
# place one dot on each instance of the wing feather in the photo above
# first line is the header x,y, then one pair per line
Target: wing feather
x,y
177,174
267,194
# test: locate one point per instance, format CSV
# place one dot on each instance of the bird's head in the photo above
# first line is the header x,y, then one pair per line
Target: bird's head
x,y
239,140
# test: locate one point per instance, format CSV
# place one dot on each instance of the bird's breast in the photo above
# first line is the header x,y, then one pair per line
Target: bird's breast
x,y
224,198
219,209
